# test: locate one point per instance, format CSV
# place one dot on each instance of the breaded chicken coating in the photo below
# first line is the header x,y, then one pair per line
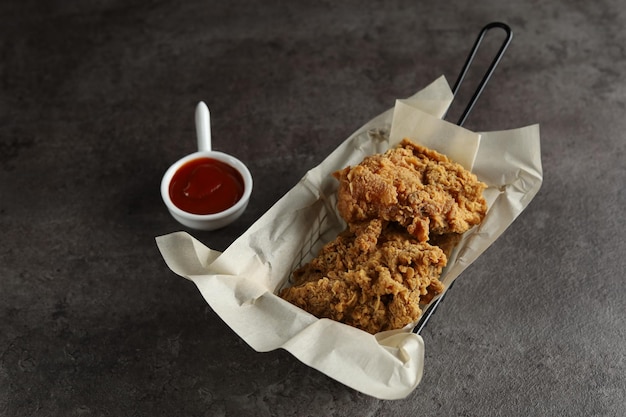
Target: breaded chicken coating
x,y
371,276
405,210
416,187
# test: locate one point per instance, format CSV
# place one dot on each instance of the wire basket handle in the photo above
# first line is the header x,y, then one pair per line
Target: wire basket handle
x,y
490,70
427,314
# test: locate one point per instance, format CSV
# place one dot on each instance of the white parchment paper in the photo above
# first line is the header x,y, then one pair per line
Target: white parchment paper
x,y
241,283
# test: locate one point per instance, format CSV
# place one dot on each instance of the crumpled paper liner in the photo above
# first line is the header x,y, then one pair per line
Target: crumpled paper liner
x,y
241,283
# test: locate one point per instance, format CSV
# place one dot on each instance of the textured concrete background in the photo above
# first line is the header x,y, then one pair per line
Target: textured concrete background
x,y
96,101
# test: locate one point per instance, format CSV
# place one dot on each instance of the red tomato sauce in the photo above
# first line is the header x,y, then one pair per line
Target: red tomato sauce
x,y
206,186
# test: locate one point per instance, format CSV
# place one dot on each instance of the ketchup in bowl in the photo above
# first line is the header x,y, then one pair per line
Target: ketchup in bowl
x,y
206,186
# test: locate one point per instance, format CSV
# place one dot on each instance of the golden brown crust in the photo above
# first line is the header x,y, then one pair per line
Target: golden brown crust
x,y
414,186
375,286
406,210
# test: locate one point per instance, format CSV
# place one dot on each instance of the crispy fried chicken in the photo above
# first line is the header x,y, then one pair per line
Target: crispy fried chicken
x,y
371,277
406,210
416,187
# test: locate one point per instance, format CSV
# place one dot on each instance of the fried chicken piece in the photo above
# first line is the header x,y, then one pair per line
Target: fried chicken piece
x,y
371,276
416,187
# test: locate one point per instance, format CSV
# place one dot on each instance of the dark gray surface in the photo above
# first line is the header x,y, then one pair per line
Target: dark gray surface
x,y
97,99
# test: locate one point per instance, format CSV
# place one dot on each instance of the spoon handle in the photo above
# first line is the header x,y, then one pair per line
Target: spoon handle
x,y
203,127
